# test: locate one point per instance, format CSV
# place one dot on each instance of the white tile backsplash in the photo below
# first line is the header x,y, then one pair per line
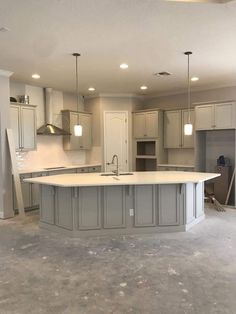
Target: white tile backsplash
x,y
49,153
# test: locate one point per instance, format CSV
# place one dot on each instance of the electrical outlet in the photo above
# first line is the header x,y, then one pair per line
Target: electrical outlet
x,y
131,212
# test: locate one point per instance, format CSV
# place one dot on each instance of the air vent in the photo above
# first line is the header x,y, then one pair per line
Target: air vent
x,y
4,29
163,73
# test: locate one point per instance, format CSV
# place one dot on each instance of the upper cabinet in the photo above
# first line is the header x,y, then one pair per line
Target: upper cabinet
x,y
215,116
71,118
174,121
23,124
145,124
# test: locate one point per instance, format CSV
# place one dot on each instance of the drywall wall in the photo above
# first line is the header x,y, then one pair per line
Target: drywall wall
x,y
98,105
179,101
70,102
6,206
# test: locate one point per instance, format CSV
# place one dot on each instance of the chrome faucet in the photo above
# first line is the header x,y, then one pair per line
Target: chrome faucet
x,y
117,164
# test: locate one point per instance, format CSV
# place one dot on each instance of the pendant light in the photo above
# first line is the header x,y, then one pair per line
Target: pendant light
x,y
77,128
188,127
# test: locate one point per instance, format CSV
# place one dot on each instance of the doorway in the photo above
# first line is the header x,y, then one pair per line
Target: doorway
x,y
116,139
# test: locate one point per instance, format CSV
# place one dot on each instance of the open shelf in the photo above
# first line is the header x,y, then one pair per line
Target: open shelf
x,y
146,148
146,156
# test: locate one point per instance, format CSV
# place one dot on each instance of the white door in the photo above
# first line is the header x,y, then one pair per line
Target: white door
x,y
116,139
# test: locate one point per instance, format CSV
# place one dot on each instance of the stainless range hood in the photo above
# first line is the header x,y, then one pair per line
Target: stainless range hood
x,y
48,128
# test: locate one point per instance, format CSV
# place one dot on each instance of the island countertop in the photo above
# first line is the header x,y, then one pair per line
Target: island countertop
x,y
137,178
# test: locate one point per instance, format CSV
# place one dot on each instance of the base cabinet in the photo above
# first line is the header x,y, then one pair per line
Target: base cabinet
x,y
114,207
169,204
47,204
145,205
88,208
108,209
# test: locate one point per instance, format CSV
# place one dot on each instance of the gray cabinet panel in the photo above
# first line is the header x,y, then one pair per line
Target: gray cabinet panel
x,y
189,202
47,204
145,205
89,208
199,199
169,204
114,207
64,208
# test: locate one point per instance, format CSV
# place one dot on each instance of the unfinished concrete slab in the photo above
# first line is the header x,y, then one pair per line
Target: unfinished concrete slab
x,y
176,273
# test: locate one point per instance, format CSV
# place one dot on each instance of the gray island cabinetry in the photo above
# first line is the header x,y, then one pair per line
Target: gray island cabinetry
x,y
93,204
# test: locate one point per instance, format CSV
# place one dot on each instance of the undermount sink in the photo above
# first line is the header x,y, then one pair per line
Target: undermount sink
x,y
108,174
54,168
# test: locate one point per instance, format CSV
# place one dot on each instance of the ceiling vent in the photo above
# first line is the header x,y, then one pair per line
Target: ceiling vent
x,y
163,73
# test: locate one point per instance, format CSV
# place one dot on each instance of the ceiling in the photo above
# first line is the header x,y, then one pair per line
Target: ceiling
x,y
149,35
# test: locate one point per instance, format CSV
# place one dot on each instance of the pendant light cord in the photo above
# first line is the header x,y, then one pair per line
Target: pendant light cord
x,y
188,92
76,55
188,53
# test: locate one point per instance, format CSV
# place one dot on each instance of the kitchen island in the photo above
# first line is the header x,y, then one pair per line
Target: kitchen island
x,y
138,202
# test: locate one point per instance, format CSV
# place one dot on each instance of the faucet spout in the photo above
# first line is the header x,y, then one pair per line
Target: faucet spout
x,y
115,157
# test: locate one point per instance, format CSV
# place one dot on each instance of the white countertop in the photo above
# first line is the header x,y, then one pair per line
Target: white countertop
x,y
138,178
62,167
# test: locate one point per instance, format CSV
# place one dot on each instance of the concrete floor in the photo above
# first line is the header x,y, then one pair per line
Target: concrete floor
x,y
177,273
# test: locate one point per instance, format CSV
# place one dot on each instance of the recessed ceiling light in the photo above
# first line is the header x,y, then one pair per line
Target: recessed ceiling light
x,y
35,76
4,29
124,66
91,89
143,87
194,78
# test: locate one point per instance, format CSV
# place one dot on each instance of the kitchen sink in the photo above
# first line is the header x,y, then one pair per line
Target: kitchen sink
x,y
54,168
108,174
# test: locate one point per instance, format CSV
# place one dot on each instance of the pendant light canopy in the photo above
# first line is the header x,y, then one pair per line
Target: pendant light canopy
x,y
77,128
188,127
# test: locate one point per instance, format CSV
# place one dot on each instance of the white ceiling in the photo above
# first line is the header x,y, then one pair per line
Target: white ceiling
x,y
149,35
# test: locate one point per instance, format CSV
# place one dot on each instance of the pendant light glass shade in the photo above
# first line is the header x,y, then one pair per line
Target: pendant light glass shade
x,y
188,127
78,129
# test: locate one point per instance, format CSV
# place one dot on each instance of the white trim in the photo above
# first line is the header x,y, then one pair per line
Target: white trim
x,y
5,73
126,135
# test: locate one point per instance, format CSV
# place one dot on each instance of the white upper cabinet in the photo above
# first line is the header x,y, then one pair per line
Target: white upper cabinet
x,y
172,129
145,124
174,121
23,124
71,118
215,116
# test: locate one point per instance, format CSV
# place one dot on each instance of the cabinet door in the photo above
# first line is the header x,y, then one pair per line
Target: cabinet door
x,y
86,139
204,117
187,140
151,124
169,204
64,208
172,129
89,208
114,207
28,128
139,125
15,125
145,206
224,116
